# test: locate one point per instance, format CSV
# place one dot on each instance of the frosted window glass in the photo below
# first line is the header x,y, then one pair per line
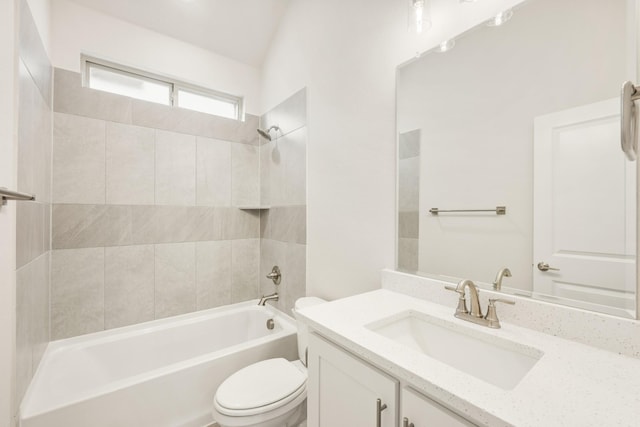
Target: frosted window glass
x,y
208,104
129,85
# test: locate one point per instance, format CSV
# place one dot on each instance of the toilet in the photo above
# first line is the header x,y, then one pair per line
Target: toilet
x,y
269,393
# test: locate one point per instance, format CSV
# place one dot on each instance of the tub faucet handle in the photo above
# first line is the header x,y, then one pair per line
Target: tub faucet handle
x,y
275,275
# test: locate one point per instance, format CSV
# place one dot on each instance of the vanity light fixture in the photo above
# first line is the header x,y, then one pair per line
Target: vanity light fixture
x,y
419,16
446,46
500,18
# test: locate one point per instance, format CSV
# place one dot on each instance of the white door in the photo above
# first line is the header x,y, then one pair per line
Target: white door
x,y
420,411
343,391
584,208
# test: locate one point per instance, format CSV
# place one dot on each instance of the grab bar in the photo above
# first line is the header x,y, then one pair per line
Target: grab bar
x,y
14,195
628,131
499,210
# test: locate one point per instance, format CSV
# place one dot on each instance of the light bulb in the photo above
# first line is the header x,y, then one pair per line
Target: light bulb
x,y
419,19
446,46
500,18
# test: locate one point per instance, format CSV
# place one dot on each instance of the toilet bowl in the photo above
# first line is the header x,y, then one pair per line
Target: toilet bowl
x,y
269,393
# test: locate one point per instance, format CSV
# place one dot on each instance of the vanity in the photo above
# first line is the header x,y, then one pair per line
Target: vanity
x,y
387,358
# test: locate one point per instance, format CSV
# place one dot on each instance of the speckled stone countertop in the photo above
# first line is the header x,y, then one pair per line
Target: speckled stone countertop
x,y
571,385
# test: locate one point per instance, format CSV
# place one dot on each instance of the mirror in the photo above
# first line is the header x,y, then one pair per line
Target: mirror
x,y
525,116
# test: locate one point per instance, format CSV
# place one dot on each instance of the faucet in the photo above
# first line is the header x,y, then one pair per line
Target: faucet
x,y
503,272
272,297
475,315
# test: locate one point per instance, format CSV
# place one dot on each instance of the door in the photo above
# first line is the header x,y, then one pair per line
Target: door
x,y
584,208
420,411
343,391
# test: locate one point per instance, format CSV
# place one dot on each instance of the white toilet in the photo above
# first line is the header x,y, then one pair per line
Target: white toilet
x,y
269,393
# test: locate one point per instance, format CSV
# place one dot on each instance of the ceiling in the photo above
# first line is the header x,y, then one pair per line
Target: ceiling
x,y
238,29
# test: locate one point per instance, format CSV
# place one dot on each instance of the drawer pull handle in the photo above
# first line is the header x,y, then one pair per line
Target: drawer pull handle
x,y
379,408
406,423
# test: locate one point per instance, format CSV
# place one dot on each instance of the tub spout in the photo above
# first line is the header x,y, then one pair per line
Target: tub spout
x,y
272,297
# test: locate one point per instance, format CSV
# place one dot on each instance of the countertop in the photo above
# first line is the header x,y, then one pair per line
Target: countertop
x,y
571,385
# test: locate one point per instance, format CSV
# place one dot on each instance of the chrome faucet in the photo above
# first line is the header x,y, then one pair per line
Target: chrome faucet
x,y
475,315
503,272
272,297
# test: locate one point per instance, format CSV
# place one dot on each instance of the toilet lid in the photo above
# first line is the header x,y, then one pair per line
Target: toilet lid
x,y
260,384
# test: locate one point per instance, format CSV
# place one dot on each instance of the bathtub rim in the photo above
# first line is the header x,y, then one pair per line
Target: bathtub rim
x,y
110,335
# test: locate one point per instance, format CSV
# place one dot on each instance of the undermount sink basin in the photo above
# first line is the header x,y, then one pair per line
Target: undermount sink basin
x,y
487,357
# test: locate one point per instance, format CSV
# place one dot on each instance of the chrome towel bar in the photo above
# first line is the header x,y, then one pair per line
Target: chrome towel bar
x,y
499,210
14,195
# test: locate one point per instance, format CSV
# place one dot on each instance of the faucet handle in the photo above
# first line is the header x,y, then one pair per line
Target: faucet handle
x,y
462,302
492,316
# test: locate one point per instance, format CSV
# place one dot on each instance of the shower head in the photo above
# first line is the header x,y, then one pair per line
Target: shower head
x,y
267,133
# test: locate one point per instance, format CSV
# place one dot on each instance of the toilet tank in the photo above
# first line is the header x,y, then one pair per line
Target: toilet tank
x,y
303,331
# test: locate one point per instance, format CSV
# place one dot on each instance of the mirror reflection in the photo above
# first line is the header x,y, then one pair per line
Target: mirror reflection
x,y
518,128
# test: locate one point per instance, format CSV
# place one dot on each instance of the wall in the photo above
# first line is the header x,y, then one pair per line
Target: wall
x,y
8,162
77,29
283,170
145,218
477,152
346,54
33,233
408,199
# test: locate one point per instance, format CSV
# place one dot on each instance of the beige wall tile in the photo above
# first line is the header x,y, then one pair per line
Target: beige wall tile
x,y
285,224
409,144
191,122
78,160
30,229
33,53
39,311
77,292
245,188
409,184
71,98
87,226
272,253
129,285
175,169
213,172
213,274
409,224
175,271
130,169
289,115
24,342
295,157
408,254
245,262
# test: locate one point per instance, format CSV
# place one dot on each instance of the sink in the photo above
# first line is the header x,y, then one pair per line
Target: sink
x,y
487,357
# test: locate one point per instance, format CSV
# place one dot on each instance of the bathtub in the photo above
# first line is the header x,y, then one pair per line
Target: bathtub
x,y
160,373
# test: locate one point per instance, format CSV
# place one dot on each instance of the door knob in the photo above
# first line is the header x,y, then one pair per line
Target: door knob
x,y
543,266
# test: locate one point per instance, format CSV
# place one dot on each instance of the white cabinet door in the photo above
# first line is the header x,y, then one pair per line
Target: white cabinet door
x,y
420,411
342,391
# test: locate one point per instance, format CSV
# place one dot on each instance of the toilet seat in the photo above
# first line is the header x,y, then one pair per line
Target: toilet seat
x,y
261,387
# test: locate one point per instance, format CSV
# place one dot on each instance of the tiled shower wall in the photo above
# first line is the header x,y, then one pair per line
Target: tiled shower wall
x,y
145,219
408,199
283,170
33,242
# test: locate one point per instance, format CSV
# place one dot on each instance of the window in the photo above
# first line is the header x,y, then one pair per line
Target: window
x,y
109,77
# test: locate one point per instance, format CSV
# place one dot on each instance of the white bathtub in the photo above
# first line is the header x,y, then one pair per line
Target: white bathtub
x,y
159,373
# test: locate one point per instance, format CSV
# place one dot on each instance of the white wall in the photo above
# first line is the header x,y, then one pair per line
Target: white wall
x,y
77,29
8,161
346,53
41,12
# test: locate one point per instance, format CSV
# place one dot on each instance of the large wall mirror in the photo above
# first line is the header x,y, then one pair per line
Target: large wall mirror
x,y
524,116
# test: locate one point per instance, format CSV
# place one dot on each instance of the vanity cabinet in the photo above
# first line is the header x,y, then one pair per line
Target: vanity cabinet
x,y
420,411
345,391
